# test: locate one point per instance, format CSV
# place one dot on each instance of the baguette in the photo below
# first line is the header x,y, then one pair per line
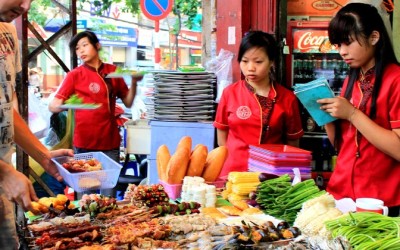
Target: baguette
x,y
163,157
214,163
197,160
177,166
185,142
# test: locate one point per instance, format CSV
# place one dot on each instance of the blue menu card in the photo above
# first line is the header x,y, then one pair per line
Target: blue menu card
x,y
309,93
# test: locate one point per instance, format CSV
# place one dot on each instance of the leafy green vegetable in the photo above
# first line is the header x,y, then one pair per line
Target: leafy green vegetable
x,y
125,71
74,99
191,68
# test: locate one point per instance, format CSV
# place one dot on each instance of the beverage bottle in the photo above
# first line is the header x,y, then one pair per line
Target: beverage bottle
x,y
319,64
308,70
343,71
331,73
311,70
300,71
324,64
334,64
336,75
295,71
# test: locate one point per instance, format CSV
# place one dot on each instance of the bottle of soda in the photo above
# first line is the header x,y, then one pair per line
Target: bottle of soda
x,y
295,71
308,71
324,65
299,71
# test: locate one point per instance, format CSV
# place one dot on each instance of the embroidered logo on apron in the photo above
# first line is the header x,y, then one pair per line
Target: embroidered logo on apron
x,y
94,87
243,112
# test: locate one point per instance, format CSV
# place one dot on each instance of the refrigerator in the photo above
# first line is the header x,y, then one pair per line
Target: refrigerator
x,y
310,56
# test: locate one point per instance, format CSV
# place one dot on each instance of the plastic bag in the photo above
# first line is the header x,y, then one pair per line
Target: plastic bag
x,y
221,66
138,109
38,116
51,138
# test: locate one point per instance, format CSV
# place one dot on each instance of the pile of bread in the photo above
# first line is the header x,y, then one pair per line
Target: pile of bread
x,y
187,162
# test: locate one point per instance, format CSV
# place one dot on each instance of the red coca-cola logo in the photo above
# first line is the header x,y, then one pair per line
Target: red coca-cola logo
x,y
309,40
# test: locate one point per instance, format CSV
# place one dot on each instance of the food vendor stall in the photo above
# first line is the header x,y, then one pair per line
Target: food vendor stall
x,y
250,210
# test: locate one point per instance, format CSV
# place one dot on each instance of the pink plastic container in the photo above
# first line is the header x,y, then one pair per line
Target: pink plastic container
x,y
173,190
218,183
281,151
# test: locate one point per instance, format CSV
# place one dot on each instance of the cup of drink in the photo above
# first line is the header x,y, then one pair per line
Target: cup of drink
x,y
371,205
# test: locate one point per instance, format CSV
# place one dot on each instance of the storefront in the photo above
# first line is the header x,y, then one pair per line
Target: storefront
x,y
189,49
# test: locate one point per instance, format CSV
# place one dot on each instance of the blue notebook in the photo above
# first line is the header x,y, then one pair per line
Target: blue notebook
x,y
309,93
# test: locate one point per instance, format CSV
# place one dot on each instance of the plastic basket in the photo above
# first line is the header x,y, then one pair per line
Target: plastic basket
x,y
173,190
107,178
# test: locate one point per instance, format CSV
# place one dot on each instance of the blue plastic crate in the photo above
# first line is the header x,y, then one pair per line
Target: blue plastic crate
x,y
80,182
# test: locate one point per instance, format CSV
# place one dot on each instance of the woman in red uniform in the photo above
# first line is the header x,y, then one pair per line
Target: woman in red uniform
x,y
256,110
95,130
368,132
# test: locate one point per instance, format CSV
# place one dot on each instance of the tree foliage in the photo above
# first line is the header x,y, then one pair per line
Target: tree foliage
x,y
37,12
181,8
189,8
130,6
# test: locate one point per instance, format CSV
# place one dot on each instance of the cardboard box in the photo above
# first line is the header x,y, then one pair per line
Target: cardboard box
x,y
137,137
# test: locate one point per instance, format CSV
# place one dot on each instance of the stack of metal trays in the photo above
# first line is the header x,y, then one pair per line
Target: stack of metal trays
x,y
184,96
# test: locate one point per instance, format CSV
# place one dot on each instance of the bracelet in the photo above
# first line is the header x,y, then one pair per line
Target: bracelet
x,y
352,114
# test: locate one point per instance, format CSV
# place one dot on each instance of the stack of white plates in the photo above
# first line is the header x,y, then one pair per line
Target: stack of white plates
x,y
184,96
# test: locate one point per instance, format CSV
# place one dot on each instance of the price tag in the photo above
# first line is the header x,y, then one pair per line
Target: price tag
x,y
285,50
285,47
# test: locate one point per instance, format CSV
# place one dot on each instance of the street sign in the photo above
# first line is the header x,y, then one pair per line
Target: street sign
x,y
156,9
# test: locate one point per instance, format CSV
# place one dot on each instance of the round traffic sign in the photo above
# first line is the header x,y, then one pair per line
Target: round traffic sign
x,y
156,9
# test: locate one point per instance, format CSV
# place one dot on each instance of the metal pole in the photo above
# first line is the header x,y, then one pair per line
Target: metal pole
x,y
157,51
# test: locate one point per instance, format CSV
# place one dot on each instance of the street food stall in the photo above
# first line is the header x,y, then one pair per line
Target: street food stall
x,y
249,210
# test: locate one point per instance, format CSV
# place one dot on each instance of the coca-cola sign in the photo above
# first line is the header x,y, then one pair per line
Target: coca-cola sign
x,y
309,40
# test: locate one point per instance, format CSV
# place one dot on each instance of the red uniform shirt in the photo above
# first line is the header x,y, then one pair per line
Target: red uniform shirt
x,y
240,112
373,174
95,129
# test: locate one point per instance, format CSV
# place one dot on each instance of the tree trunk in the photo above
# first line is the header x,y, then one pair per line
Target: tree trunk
x,y
208,31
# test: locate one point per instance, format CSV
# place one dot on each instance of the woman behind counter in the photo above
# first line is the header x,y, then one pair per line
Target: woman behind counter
x,y
256,110
368,132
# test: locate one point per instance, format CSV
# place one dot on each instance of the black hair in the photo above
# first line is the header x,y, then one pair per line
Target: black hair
x,y
259,39
358,21
87,33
